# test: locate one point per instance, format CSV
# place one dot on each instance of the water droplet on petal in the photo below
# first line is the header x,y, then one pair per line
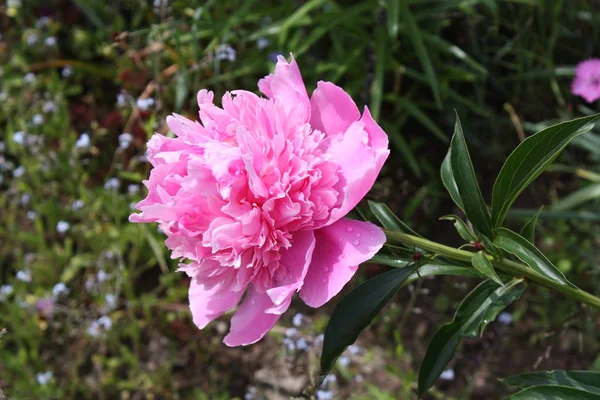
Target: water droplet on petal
x,y
358,235
326,269
324,280
252,301
349,229
356,242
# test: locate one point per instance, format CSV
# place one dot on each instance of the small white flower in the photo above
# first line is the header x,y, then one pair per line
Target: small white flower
x,y
329,379
44,378
67,71
289,343
13,3
505,318
19,137
83,141
49,106
132,205
42,22
297,319
262,43
447,374
301,344
125,140
112,184
324,395
25,198
19,171
3,94
111,301
29,77
99,326
62,226
225,52
5,292
90,284
344,361
291,332
2,146
250,394
32,39
38,119
319,339
121,100
50,41
31,215
354,349
133,188
102,276
145,104
359,378
24,275
60,289
77,205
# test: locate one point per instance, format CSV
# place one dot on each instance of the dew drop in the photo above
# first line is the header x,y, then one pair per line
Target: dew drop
x,y
358,235
356,242
324,280
326,269
349,229
252,301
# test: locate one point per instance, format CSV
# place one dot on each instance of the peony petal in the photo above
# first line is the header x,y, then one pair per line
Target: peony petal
x,y
286,86
296,260
332,109
250,323
378,139
359,162
208,304
340,248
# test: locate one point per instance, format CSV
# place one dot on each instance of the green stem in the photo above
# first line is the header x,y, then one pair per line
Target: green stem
x,y
510,267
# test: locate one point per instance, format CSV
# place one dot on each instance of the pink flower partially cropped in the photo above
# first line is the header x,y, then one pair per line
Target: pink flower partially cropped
x,y
587,80
254,198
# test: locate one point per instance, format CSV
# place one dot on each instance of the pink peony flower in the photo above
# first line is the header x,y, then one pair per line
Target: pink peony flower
x,y
255,198
587,80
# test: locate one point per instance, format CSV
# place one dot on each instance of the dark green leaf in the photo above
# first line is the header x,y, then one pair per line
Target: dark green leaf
x,y
449,181
483,265
388,219
588,381
416,38
530,159
356,311
528,230
485,300
519,246
466,182
553,392
462,228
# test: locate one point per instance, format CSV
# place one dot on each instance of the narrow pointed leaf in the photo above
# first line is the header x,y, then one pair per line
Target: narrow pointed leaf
x,y
466,181
588,381
577,198
519,246
388,219
462,228
486,299
415,36
530,159
528,230
483,265
449,181
553,392
356,311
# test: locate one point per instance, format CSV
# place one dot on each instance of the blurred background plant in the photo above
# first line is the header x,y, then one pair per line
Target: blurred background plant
x,y
90,305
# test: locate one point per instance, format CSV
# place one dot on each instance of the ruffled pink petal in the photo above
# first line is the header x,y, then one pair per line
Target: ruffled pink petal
x,y
360,163
286,86
295,261
250,323
339,250
332,109
207,304
378,139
